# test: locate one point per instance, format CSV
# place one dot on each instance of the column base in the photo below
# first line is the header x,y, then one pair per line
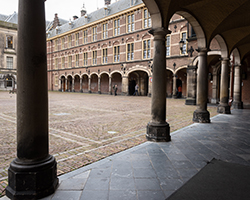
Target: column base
x,y
81,91
99,92
214,101
190,101
224,109
32,180
110,93
89,91
238,105
149,94
158,132
201,116
174,96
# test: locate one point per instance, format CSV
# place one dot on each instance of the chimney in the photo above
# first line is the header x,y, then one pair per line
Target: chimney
x,y
107,2
83,11
56,22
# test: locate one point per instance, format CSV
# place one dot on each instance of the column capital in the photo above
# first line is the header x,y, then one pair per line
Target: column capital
x,y
159,33
224,59
202,50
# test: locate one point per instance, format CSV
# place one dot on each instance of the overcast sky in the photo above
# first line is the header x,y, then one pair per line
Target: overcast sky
x,y
65,8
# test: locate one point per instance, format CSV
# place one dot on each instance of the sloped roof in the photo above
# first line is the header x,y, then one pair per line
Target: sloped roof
x,y
12,18
94,16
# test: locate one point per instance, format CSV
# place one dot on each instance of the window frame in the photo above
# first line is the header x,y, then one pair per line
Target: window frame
x,y
85,36
117,28
130,23
69,41
146,50
129,53
105,30
77,60
105,56
147,19
85,58
63,62
168,46
11,44
9,62
94,34
184,50
116,53
77,36
70,61
94,57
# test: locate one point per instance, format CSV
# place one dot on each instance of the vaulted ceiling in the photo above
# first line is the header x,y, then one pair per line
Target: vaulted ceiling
x,y
228,18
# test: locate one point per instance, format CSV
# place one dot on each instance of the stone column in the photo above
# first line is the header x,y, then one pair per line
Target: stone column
x,y
66,85
60,85
89,85
125,85
110,85
81,84
99,85
201,114
73,84
223,107
150,79
158,129
174,86
237,103
191,85
214,86
32,175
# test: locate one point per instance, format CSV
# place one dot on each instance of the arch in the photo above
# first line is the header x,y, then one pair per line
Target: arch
x,y
93,73
69,83
180,68
77,83
235,55
169,82
116,79
84,74
223,46
104,81
104,72
85,83
115,71
140,68
200,34
140,77
94,83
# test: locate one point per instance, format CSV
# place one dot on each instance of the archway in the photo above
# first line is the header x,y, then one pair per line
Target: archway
x,y
77,83
94,83
104,83
85,80
117,80
69,83
140,78
63,84
181,81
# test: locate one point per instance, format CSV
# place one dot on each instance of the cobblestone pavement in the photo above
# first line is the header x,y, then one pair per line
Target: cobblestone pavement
x,y
84,128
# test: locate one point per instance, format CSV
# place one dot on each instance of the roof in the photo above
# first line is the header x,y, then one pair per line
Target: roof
x,y
94,16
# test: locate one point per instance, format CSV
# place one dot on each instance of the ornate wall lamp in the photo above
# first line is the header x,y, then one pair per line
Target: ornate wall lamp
x,y
190,51
123,68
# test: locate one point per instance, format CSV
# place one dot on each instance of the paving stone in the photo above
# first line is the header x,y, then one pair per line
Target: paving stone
x,y
122,195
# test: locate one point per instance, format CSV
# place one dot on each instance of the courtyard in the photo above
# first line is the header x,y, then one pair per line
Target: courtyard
x,y
84,128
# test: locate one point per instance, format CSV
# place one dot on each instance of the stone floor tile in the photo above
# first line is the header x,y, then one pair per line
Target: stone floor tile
x,y
151,195
75,184
147,184
170,184
122,184
94,195
66,195
100,173
123,172
144,173
141,164
122,195
97,184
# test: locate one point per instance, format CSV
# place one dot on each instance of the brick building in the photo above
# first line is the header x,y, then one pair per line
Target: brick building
x,y
8,46
113,46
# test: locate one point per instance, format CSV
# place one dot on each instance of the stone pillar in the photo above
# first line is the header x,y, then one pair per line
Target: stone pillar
x,y
223,107
66,84
32,175
73,84
125,85
174,87
214,86
60,85
13,83
110,85
191,85
150,79
237,103
81,84
89,85
201,114
158,129
99,85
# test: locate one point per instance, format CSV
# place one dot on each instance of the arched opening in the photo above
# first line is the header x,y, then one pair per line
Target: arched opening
x,y
69,84
77,83
140,78
85,80
94,83
117,80
104,84
9,81
181,83
63,84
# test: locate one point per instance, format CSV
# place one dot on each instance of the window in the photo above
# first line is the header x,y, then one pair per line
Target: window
x,y
56,80
69,41
63,43
147,19
9,63
146,49
94,57
131,23
9,42
76,39
193,34
116,27
94,34
77,60
70,61
56,45
184,38
130,51
85,59
105,31
56,63
168,45
132,2
63,62
85,36
105,56
117,54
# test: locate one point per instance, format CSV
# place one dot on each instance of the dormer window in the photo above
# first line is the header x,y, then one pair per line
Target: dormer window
x,y
9,42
